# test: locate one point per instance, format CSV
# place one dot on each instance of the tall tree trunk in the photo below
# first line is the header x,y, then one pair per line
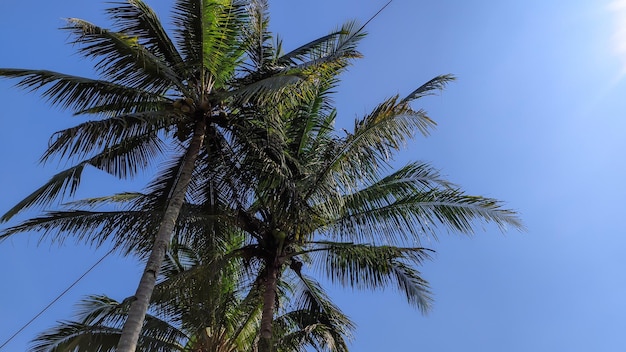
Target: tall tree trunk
x,y
269,301
138,309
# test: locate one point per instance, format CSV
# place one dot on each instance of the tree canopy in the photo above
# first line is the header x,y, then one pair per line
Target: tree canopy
x,y
247,134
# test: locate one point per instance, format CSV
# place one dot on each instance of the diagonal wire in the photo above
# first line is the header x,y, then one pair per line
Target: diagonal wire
x,y
57,298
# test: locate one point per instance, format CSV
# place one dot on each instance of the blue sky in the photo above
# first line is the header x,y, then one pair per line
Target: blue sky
x,y
536,119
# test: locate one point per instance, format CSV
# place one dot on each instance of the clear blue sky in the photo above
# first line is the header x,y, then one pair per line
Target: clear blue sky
x,y
537,118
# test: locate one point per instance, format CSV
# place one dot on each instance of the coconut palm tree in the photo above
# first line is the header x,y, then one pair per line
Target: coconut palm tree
x,y
334,203
199,313
157,96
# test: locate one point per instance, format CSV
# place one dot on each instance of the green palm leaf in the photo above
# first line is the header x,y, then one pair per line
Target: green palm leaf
x,y
297,329
339,46
360,155
260,51
123,160
91,227
209,33
80,93
122,58
268,88
419,215
137,19
302,53
98,328
93,136
376,267
428,88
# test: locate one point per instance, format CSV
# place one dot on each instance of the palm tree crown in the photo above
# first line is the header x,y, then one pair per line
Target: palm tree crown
x,y
194,309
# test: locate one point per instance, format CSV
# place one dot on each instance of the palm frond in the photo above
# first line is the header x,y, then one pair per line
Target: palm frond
x,y
98,328
119,198
311,116
460,212
296,330
304,52
338,47
209,35
267,89
93,136
123,161
80,93
187,21
179,258
405,182
75,336
112,110
310,297
311,319
122,58
428,88
126,159
177,287
218,178
222,47
363,155
376,267
136,19
65,181
93,227
421,215
260,51
415,176
247,315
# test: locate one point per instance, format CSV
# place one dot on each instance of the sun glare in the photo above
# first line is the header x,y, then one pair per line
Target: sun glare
x,y
618,9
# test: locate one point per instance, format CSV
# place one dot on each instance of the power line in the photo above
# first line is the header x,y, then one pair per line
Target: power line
x,y
57,298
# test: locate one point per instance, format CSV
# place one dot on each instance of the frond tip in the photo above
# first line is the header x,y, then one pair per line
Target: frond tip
x,y
429,88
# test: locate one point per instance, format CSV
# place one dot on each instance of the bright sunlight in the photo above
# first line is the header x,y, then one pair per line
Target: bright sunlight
x,y
618,9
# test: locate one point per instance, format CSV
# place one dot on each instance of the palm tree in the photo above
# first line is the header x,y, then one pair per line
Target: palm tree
x,y
157,96
333,203
191,312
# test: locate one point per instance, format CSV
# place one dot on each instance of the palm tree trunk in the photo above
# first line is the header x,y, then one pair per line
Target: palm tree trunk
x,y
138,309
267,316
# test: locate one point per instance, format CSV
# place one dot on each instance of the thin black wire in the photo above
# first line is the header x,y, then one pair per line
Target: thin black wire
x,y
57,298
